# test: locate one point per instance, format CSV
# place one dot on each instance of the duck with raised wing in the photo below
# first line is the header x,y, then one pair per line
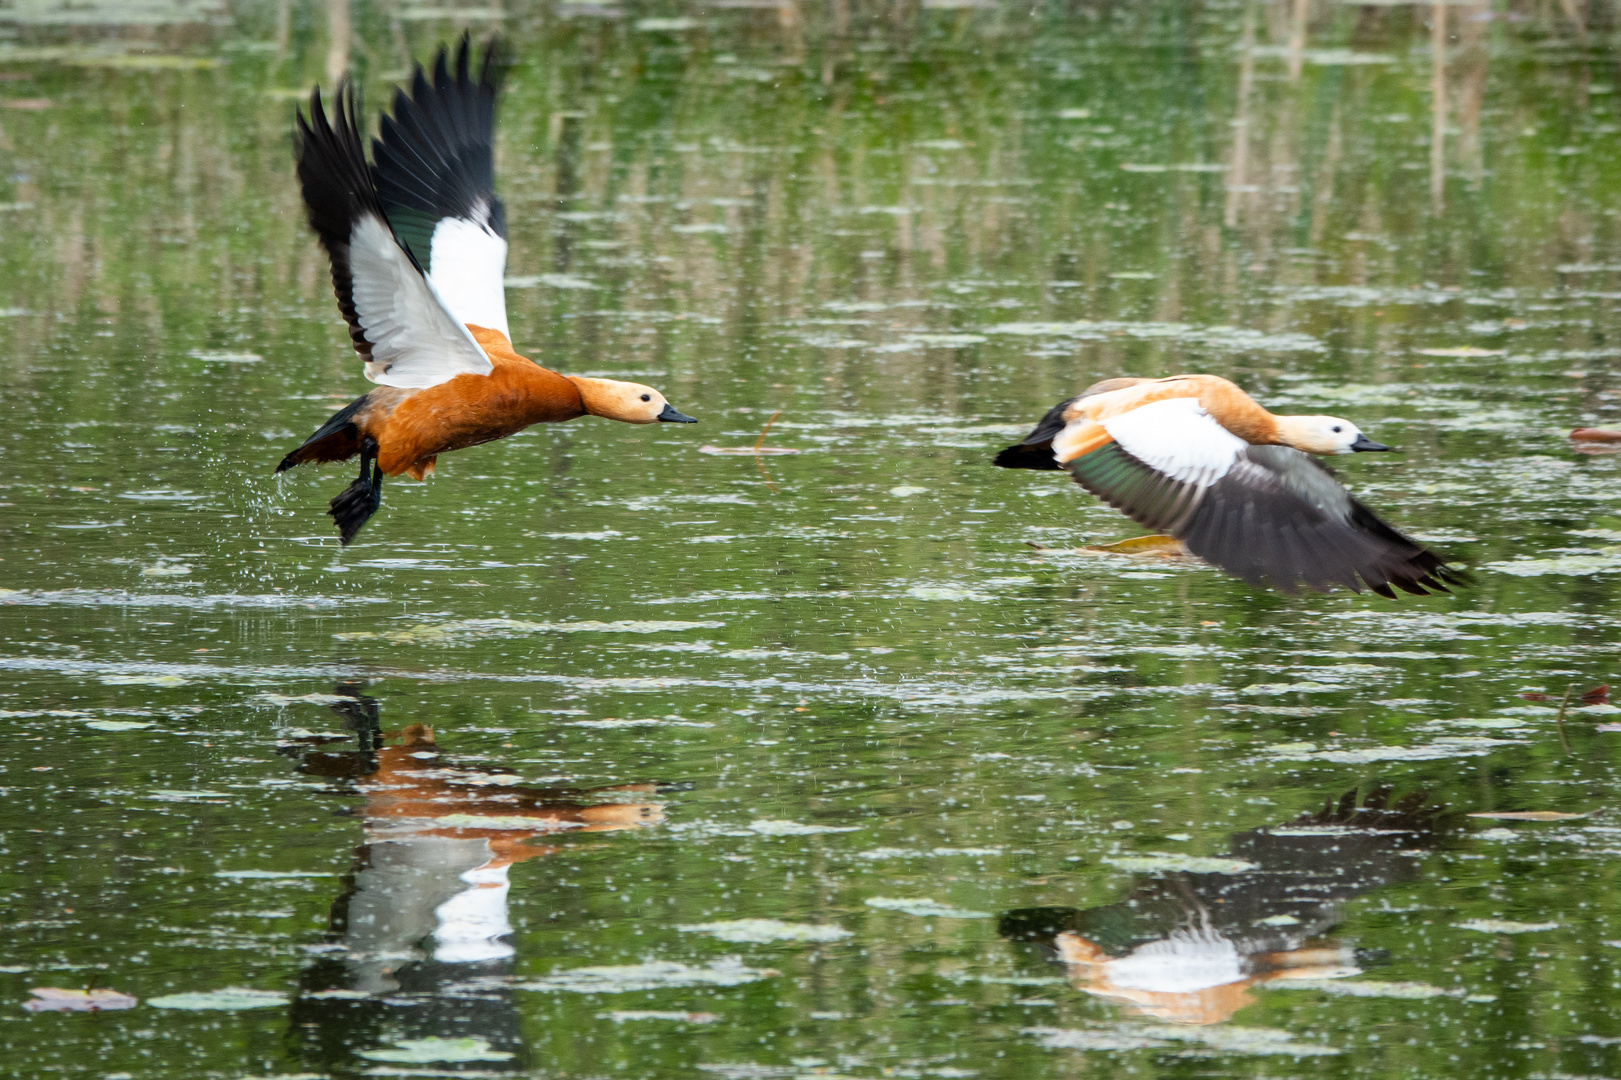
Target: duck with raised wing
x,y
417,241
1196,457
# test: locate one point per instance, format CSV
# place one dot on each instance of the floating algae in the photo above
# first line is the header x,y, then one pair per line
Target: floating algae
x,y
230,999
925,908
434,1048
768,827
1165,864
459,630
1505,926
1197,1041
651,975
760,931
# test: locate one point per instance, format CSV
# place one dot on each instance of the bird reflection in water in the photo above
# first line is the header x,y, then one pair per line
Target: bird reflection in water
x,y
417,944
1186,947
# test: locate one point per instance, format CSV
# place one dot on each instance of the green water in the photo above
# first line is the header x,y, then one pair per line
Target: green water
x,y
839,689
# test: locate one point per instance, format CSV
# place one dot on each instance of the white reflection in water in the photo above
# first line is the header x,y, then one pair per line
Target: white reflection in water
x,y
1186,946
424,914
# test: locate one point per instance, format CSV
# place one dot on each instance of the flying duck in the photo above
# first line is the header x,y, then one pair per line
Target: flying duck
x,y
417,241
1196,457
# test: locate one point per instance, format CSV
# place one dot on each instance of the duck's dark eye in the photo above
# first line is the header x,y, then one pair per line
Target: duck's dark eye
x,y
1336,426
649,397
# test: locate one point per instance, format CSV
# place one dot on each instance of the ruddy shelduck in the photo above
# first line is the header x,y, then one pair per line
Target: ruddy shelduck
x,y
1196,457
417,241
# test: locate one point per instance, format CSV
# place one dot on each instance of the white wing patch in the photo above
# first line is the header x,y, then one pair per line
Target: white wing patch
x,y
416,341
468,263
1177,438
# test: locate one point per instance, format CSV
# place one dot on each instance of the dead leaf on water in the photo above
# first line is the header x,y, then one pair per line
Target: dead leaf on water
x,y
1531,815
56,999
1598,435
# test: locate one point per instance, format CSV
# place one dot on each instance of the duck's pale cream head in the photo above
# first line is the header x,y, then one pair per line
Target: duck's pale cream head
x,y
628,402
1324,435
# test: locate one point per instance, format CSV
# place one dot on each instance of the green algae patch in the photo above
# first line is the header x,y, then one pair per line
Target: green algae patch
x,y
764,931
459,630
230,999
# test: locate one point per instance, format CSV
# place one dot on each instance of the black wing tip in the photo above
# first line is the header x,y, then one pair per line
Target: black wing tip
x,y
1421,573
434,155
442,73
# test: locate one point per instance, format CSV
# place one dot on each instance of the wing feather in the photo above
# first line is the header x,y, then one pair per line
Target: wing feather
x,y
397,320
415,340
1271,515
435,173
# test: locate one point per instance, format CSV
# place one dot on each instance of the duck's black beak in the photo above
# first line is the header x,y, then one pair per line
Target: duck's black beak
x,y
670,416
1362,443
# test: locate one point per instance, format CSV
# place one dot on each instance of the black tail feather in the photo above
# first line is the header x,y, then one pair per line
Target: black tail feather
x,y
322,446
355,504
1023,456
1036,450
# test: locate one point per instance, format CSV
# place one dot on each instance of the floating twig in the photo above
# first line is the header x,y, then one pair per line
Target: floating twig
x,y
1559,717
761,440
759,449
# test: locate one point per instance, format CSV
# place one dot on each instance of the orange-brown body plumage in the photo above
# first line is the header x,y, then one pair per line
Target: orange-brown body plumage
x,y
470,409
1229,405
413,426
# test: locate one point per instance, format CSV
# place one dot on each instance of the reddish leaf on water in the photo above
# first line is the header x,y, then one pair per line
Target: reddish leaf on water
x,y
1599,695
56,999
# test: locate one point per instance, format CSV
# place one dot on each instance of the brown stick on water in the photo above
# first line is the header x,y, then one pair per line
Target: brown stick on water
x,y
759,461
761,440
1559,718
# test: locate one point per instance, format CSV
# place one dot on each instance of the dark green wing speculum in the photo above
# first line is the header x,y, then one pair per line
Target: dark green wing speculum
x,y
1148,497
1275,517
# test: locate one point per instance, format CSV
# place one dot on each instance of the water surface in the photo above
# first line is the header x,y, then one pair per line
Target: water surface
x,y
507,787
